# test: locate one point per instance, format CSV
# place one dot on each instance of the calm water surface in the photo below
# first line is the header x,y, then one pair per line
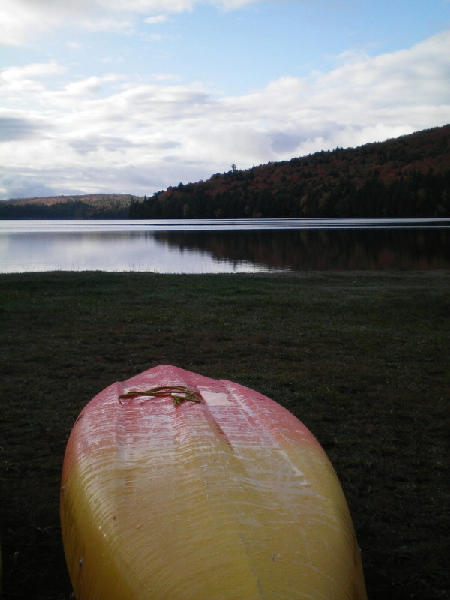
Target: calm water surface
x,y
225,246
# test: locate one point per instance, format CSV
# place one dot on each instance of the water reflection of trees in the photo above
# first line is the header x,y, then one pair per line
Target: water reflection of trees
x,y
412,249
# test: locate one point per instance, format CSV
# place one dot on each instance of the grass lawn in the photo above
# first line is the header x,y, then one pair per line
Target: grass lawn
x,y
362,358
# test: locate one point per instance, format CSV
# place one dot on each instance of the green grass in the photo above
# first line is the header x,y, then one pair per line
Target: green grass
x,y
360,358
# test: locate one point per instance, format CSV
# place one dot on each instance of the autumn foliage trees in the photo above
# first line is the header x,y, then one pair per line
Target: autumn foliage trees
x,y
404,177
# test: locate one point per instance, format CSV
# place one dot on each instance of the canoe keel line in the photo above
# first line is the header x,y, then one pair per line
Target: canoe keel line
x,y
176,486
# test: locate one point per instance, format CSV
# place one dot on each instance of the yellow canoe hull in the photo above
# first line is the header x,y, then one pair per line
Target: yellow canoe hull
x,y
229,498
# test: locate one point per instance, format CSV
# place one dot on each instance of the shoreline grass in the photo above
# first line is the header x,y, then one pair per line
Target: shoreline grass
x,y
360,357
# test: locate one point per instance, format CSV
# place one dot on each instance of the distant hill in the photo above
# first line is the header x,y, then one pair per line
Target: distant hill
x,y
403,177
88,206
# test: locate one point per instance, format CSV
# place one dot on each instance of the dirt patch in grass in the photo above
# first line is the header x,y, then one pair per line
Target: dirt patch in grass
x,y
360,358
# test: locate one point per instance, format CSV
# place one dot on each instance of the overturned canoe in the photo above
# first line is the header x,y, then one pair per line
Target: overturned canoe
x,y
180,487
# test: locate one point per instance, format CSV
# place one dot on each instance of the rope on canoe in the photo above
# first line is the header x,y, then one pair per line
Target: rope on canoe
x,y
178,393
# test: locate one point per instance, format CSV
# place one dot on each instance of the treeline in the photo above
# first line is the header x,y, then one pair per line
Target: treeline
x,y
73,209
403,177
414,194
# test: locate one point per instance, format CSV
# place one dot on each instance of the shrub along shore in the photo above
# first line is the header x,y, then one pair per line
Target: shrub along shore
x,y
360,357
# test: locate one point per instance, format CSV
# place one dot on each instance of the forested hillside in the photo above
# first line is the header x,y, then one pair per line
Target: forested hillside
x,y
403,177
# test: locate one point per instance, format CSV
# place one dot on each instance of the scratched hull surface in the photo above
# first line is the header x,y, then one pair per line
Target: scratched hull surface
x,y
230,498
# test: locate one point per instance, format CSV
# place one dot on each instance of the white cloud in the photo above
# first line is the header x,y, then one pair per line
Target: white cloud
x,y
24,84
111,134
25,20
111,25
86,87
74,45
156,19
12,74
22,20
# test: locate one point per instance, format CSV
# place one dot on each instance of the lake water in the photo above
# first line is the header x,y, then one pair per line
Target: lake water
x,y
225,246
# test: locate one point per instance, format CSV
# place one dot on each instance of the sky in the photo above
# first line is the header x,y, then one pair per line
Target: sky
x,y
134,96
